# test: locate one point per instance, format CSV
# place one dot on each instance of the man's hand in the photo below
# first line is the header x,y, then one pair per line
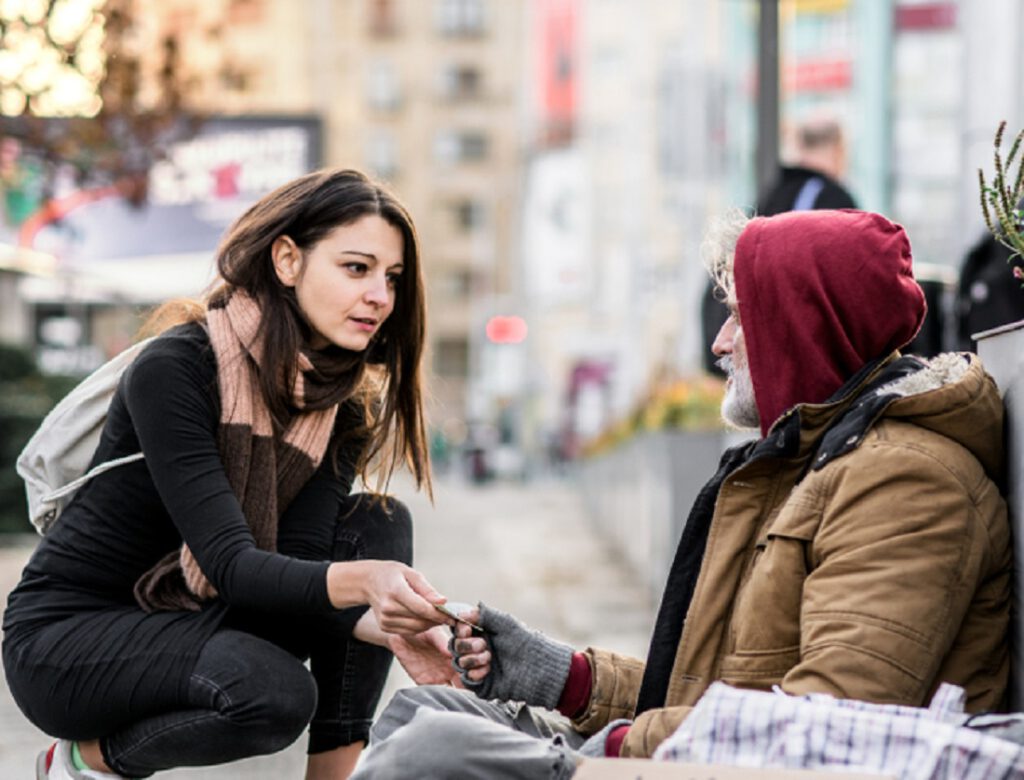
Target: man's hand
x,y
425,657
472,654
524,665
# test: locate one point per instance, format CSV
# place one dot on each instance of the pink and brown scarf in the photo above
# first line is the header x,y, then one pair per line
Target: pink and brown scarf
x,y
266,469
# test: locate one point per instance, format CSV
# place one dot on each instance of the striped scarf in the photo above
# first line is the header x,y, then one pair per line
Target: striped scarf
x,y
265,471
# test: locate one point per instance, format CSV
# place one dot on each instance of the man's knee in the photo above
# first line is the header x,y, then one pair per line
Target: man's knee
x,y
406,703
429,744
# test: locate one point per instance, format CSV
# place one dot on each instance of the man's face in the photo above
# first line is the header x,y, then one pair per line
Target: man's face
x,y
738,407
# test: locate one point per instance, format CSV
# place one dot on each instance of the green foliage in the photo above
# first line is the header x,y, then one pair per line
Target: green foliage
x,y
1001,201
25,398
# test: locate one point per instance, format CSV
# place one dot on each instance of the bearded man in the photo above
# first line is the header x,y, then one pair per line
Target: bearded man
x,y
859,548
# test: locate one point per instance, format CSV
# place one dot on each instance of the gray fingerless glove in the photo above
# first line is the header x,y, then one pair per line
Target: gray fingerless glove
x,y
525,665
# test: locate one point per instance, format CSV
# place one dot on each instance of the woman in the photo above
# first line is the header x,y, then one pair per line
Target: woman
x,y
165,619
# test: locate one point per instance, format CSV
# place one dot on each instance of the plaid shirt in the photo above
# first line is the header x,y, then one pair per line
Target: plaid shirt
x,y
759,729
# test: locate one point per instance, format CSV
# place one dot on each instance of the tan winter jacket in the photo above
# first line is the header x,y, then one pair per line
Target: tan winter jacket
x,y
876,577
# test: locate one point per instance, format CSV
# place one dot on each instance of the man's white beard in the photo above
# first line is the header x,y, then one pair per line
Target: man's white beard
x,y
739,407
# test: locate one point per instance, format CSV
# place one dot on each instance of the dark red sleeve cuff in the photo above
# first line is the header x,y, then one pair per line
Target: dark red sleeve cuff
x,y
613,745
576,693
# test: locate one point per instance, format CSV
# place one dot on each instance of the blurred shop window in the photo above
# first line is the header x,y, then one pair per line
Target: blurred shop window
x,y
383,90
453,146
460,17
382,154
460,82
383,18
469,214
451,357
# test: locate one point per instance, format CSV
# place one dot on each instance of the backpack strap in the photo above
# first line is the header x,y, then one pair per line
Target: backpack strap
x,y
95,471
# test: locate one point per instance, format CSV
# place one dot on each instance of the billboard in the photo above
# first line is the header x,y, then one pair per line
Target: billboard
x,y
193,195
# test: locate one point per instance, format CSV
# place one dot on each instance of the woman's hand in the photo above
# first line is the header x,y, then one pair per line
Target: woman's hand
x,y
472,653
401,598
425,656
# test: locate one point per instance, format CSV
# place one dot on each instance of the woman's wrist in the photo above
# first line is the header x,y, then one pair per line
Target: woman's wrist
x,y
346,584
368,630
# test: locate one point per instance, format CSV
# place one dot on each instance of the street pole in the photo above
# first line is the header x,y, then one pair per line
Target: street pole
x,y
767,95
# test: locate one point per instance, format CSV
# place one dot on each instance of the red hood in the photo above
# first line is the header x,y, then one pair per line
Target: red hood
x,y
820,294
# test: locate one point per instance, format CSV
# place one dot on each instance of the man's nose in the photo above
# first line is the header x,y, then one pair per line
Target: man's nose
x,y
723,341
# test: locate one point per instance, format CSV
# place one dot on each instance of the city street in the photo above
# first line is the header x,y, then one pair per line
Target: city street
x,y
526,548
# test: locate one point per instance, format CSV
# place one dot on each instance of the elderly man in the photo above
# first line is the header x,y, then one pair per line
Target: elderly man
x,y
859,548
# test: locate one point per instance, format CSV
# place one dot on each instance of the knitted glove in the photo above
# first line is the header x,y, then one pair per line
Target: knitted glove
x,y
594,747
525,665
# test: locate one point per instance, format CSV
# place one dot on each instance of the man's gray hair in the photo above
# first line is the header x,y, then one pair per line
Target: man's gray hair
x,y
718,250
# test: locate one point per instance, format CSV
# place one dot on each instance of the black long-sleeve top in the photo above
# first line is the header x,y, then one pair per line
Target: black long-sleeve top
x,y
125,520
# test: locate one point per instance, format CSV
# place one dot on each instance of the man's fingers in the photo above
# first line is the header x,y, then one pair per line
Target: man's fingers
x,y
475,661
468,646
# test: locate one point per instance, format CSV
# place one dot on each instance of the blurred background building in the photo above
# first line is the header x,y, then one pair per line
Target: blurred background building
x,y
560,157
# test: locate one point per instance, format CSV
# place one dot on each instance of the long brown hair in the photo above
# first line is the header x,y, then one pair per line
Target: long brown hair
x,y
307,209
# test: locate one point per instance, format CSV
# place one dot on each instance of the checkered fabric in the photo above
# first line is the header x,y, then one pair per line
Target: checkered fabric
x,y
760,729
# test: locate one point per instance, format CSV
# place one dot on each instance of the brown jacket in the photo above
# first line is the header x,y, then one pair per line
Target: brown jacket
x,y
876,577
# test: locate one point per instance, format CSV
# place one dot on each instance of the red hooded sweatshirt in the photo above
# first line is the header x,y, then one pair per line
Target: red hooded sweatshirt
x,y
820,294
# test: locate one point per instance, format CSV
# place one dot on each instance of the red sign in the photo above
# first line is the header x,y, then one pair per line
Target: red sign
x,y
506,330
818,75
557,62
926,16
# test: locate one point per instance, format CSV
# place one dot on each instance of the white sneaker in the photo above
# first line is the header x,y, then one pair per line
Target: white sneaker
x,y
54,763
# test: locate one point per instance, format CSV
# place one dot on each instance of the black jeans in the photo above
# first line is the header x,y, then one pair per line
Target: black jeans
x,y
250,692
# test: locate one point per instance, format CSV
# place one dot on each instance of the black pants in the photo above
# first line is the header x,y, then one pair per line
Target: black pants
x,y
250,692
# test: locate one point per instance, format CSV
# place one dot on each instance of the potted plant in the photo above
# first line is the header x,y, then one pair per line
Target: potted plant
x,y
1002,351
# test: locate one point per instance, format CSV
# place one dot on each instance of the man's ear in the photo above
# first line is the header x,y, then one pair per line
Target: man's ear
x,y
287,260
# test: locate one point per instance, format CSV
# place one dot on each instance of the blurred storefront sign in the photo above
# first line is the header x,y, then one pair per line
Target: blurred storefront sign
x,y
818,75
557,58
194,194
925,16
105,257
556,229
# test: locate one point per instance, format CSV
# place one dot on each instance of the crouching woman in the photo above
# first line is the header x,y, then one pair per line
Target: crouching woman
x,y
165,619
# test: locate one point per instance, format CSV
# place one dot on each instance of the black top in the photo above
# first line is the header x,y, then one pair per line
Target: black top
x,y
988,295
125,520
783,196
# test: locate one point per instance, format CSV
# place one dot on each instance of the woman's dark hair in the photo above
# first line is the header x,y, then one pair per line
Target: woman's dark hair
x,y
306,210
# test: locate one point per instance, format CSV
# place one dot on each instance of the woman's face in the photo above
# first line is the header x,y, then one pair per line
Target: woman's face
x,y
345,284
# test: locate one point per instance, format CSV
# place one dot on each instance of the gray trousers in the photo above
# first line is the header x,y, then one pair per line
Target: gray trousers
x,y
438,732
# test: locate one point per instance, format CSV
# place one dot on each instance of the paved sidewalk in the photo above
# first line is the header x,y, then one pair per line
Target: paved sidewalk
x,y
526,549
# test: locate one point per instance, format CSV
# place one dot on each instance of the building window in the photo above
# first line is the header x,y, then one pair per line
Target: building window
x,y
456,285
469,214
451,146
383,90
460,17
383,21
460,82
451,357
382,154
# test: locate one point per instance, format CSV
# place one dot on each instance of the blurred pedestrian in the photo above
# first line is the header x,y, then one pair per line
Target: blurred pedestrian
x,y
165,619
989,292
811,181
859,548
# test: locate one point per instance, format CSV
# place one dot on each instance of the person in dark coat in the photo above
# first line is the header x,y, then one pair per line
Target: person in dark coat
x,y
988,294
811,182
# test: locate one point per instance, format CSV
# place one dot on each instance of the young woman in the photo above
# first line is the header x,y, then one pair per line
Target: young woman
x,y
165,619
